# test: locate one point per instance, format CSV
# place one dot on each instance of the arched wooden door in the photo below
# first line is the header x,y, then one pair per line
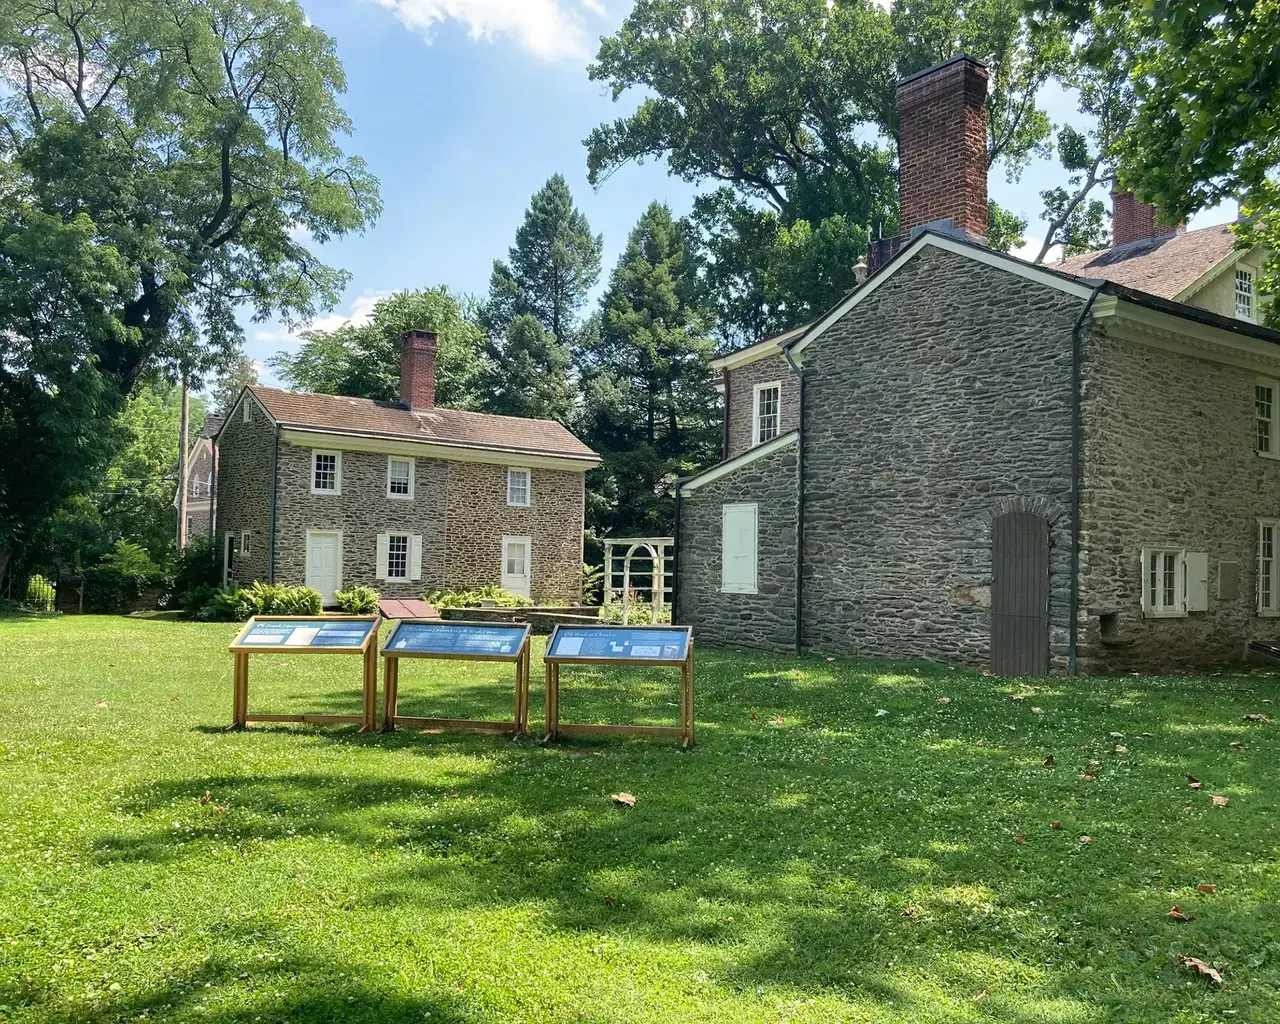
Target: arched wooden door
x,y
1020,595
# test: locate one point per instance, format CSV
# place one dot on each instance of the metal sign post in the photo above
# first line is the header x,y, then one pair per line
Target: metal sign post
x,y
307,634
620,645
456,641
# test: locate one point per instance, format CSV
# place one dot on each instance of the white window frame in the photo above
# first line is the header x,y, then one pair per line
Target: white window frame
x,y
1245,298
756,439
244,542
513,472
1267,589
1155,602
337,471
412,473
245,412
740,586
408,550
1272,420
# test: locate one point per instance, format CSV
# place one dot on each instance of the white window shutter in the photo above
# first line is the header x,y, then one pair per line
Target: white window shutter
x,y
384,545
415,557
738,549
1197,569
337,473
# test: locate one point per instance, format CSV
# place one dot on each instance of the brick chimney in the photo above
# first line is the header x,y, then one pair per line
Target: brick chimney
x,y
942,176
418,370
1132,220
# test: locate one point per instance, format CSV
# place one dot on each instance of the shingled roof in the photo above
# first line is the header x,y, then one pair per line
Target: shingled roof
x,y
452,427
1164,267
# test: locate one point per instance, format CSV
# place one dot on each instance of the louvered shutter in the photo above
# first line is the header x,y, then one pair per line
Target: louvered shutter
x,y
384,544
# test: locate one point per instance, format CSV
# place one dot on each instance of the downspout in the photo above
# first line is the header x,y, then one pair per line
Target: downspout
x,y
799,372
675,551
271,510
724,440
1077,444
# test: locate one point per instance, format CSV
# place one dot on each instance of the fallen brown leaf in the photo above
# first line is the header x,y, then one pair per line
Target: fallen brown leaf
x,y
1221,801
777,721
1194,783
610,900
755,717
1086,840
1117,735
980,996
1256,718
1176,914
206,798
910,912
1144,735
1037,711
1120,749
1090,776
219,810
1020,840
175,698
1056,826
1206,887
99,703
1203,969
1018,697
1048,761
1187,809
623,799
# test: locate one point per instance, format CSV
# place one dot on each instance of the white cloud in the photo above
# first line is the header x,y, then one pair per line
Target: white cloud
x,y
550,29
361,310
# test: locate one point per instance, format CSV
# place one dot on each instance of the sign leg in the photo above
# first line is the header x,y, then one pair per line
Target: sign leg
x,y
390,668
688,700
240,699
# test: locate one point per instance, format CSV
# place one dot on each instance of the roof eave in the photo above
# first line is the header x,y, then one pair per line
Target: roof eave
x,y
312,428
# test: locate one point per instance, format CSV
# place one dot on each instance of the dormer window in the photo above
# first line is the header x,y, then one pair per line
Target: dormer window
x,y
1244,294
766,416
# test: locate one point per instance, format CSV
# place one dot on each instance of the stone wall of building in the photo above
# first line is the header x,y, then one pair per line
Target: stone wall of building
x,y
1169,461
740,405
938,403
761,621
243,497
479,517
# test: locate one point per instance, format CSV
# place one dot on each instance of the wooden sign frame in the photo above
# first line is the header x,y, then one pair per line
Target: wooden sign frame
x,y
368,652
553,662
522,659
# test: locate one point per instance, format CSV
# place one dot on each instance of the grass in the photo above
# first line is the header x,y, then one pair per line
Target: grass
x,y
839,847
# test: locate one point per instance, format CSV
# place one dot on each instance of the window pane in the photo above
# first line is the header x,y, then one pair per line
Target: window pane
x,y
515,559
1244,294
1266,566
326,472
398,476
517,487
398,556
1263,399
1169,594
767,410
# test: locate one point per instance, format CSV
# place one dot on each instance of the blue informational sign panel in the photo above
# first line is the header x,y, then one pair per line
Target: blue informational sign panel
x,y
628,643
281,634
464,639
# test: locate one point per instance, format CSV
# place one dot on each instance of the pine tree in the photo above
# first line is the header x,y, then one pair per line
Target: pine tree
x,y
548,272
649,405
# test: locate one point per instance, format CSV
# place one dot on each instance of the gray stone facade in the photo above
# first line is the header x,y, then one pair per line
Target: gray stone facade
x,y
764,620
740,403
941,401
459,509
1169,462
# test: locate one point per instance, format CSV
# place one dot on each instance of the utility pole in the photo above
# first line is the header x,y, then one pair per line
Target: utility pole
x,y
182,460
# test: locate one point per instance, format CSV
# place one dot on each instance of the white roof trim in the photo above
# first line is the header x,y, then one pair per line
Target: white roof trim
x,y
745,459
1214,272
1188,337
999,260
760,350
387,444
247,390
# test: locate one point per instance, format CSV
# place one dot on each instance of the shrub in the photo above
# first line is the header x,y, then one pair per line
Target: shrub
x,y
358,600
296,601
40,594
196,598
195,567
122,576
260,599
592,583
472,598
637,614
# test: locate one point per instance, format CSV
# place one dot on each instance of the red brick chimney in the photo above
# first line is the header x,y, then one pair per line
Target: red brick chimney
x,y
1132,220
418,370
942,175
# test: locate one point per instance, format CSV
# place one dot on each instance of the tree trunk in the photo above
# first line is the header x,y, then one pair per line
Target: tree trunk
x,y
4,565
182,461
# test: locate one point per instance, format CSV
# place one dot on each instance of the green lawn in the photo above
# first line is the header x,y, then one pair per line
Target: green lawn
x,y
839,847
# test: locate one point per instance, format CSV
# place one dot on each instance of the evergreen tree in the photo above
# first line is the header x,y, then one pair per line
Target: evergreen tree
x,y
548,272
649,406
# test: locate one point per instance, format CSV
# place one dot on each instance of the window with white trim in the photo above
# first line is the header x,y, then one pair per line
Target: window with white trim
x,y
738,548
519,487
399,478
1268,576
1266,442
1244,293
766,413
244,543
248,415
397,556
1164,577
326,472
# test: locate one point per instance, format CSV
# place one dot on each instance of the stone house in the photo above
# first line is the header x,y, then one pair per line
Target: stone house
x,y
1066,468
200,470
335,492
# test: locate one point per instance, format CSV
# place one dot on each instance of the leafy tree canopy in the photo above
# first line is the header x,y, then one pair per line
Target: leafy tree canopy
x,y
363,360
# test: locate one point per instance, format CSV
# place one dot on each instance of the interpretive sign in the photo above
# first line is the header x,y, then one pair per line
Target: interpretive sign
x,y
457,641
634,645
307,634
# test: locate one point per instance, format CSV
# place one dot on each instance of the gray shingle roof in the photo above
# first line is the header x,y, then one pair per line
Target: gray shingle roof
x,y
1158,266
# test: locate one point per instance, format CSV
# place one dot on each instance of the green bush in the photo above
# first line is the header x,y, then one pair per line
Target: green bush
x,y
592,583
638,614
194,600
358,600
472,598
260,599
40,594
195,567
122,576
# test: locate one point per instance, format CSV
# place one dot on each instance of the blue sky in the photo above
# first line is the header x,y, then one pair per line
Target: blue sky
x,y
463,108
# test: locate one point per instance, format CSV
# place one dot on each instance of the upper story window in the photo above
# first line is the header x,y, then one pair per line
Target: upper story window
x,y
518,487
1244,294
766,412
399,478
1266,440
326,472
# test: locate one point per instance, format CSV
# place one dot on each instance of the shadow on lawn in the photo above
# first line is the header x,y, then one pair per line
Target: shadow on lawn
x,y
787,853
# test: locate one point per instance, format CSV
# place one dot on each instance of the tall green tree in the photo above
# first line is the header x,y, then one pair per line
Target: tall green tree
x,y
790,104
545,279
1206,83
363,360
181,143
239,372
649,406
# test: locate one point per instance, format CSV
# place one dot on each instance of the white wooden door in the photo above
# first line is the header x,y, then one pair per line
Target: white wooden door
x,y
324,564
517,569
